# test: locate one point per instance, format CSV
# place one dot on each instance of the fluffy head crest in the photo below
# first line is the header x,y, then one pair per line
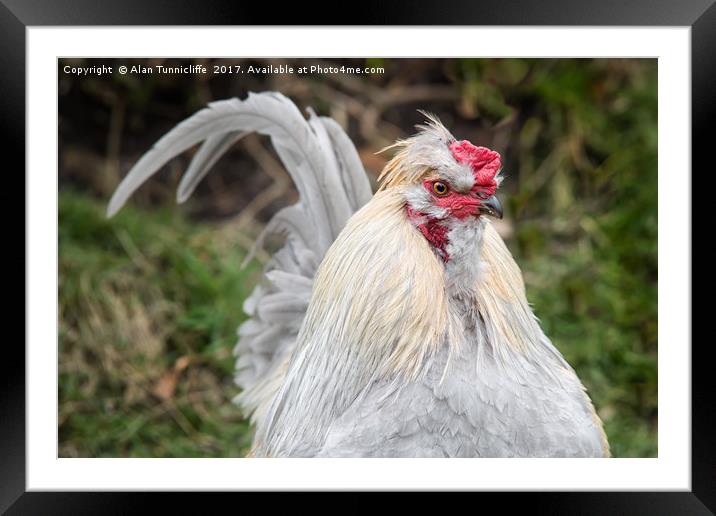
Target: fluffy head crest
x,y
434,149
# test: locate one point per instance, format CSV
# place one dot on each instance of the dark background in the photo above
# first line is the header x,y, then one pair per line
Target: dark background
x,y
150,300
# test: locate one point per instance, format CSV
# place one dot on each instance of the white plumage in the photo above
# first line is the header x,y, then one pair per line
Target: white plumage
x,y
394,325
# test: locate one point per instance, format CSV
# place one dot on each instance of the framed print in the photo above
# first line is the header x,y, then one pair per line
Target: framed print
x,y
576,376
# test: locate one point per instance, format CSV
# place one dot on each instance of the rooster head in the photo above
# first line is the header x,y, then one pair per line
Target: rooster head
x,y
449,185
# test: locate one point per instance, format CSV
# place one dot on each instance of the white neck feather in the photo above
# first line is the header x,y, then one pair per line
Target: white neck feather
x,y
378,308
463,269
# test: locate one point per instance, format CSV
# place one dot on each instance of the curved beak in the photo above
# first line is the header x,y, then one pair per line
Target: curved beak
x,y
491,206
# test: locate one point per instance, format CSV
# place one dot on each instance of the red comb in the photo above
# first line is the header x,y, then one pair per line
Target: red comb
x,y
484,162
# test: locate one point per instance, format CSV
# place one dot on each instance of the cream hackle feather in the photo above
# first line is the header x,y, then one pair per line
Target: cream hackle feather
x,y
501,293
360,331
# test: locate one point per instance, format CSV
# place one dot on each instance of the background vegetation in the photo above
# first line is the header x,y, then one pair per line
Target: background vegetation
x,y
150,300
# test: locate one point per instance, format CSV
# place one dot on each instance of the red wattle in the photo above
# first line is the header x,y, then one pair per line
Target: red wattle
x,y
433,231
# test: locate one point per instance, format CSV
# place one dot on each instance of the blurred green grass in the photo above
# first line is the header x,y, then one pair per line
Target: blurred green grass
x,y
149,306
150,300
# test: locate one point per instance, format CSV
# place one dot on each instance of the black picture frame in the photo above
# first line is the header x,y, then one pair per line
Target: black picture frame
x,y
17,15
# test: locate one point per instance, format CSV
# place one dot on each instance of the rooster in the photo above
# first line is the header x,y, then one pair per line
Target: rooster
x,y
388,325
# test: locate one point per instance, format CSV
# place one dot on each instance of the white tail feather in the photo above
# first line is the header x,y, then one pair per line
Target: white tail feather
x,y
209,153
332,185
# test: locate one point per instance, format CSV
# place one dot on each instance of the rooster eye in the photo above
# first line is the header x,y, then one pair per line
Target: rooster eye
x,y
482,195
440,188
